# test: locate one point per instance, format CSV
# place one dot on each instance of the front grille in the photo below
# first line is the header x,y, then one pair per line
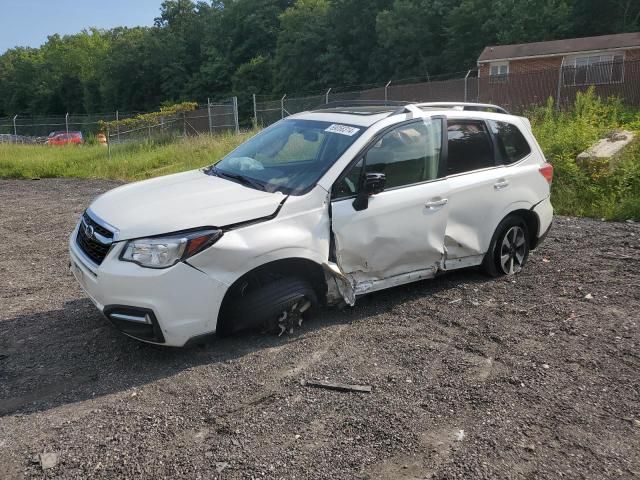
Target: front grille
x,y
89,244
105,232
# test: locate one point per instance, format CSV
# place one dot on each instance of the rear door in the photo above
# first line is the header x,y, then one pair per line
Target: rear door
x,y
480,189
401,233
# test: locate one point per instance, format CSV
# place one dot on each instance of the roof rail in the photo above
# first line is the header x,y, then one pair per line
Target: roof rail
x,y
464,106
360,103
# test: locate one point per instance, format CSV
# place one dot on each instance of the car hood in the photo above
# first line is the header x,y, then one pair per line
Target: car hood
x,y
179,202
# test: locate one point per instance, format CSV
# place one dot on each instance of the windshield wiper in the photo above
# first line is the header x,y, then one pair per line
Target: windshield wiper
x,y
240,178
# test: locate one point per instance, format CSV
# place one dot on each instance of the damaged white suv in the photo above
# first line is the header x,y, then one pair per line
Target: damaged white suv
x,y
319,208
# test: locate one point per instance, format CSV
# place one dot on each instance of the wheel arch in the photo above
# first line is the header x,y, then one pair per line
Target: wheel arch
x,y
531,220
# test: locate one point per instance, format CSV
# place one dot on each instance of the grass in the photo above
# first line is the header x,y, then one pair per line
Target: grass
x,y
128,161
597,191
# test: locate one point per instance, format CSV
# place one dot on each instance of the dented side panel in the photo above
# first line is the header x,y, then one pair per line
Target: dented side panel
x,y
396,235
301,230
475,206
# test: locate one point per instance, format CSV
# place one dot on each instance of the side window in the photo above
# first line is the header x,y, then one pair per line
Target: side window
x,y
470,146
512,144
407,154
347,185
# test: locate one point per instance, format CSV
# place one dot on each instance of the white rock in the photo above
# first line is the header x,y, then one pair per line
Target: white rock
x,y
607,147
48,460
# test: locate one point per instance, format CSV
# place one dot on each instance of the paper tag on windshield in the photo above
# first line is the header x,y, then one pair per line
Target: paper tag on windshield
x,y
343,129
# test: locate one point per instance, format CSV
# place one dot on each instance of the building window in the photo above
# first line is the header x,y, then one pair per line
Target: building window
x,y
593,69
499,72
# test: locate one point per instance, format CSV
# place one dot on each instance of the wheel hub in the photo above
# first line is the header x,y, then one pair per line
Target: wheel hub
x,y
292,316
513,250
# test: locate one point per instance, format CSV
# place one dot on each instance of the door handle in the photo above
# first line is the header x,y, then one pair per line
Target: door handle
x,y
500,184
437,203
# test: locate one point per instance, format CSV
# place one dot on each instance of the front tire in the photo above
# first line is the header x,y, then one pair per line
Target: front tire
x,y
509,248
275,307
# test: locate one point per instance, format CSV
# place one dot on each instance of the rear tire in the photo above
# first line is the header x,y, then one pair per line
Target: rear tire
x,y
280,303
509,248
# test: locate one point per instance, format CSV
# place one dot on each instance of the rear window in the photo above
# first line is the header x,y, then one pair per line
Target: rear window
x,y
511,143
470,146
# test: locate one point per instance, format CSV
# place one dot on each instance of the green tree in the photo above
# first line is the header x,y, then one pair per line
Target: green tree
x,y
474,24
304,33
412,34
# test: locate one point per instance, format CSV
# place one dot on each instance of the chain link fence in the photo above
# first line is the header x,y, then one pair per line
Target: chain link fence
x,y
209,118
268,110
517,92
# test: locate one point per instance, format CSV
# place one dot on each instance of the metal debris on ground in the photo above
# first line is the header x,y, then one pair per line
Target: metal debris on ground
x,y
341,387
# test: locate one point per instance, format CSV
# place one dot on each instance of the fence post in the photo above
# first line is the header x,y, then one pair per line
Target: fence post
x,y
386,91
282,105
466,79
559,86
118,125
235,115
15,127
209,114
255,112
108,143
66,122
184,124
326,97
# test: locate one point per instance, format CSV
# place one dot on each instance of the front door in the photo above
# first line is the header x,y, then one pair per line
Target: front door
x,y
399,237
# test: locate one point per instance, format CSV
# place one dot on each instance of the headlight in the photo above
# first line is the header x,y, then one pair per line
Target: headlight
x,y
164,252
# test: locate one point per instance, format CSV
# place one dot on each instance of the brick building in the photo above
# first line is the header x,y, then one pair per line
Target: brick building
x,y
527,73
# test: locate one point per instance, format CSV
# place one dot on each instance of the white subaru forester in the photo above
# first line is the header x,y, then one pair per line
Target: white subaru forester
x,y
317,209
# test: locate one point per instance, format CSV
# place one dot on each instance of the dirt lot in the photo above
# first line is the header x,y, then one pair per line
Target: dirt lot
x,y
532,377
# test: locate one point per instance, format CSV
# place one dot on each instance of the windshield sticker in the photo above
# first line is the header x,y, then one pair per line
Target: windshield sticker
x,y
343,130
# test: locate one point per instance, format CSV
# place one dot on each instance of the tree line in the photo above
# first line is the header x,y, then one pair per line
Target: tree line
x,y
220,48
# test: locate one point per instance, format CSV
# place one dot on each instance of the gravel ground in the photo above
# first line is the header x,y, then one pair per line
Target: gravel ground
x,y
532,377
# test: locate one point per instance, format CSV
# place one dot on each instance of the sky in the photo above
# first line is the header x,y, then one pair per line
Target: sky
x,y
28,23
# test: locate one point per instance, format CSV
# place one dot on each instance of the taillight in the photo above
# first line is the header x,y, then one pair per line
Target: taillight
x,y
546,171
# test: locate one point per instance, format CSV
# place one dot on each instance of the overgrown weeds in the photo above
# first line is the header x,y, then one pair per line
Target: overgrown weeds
x,y
598,190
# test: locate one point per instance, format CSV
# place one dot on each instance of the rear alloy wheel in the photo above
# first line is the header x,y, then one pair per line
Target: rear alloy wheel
x,y
513,251
509,248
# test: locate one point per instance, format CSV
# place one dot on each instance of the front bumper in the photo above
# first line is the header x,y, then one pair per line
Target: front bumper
x,y
182,302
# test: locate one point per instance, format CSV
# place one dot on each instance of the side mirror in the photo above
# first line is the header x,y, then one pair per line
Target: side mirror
x,y
373,184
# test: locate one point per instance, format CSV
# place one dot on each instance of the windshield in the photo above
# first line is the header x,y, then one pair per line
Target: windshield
x,y
289,156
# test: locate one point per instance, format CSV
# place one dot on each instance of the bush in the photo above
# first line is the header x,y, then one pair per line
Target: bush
x,y
597,190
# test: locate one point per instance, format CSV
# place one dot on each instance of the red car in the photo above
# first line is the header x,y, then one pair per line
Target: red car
x,y
64,138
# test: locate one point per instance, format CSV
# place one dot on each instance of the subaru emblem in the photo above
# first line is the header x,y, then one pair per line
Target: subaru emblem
x,y
88,231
